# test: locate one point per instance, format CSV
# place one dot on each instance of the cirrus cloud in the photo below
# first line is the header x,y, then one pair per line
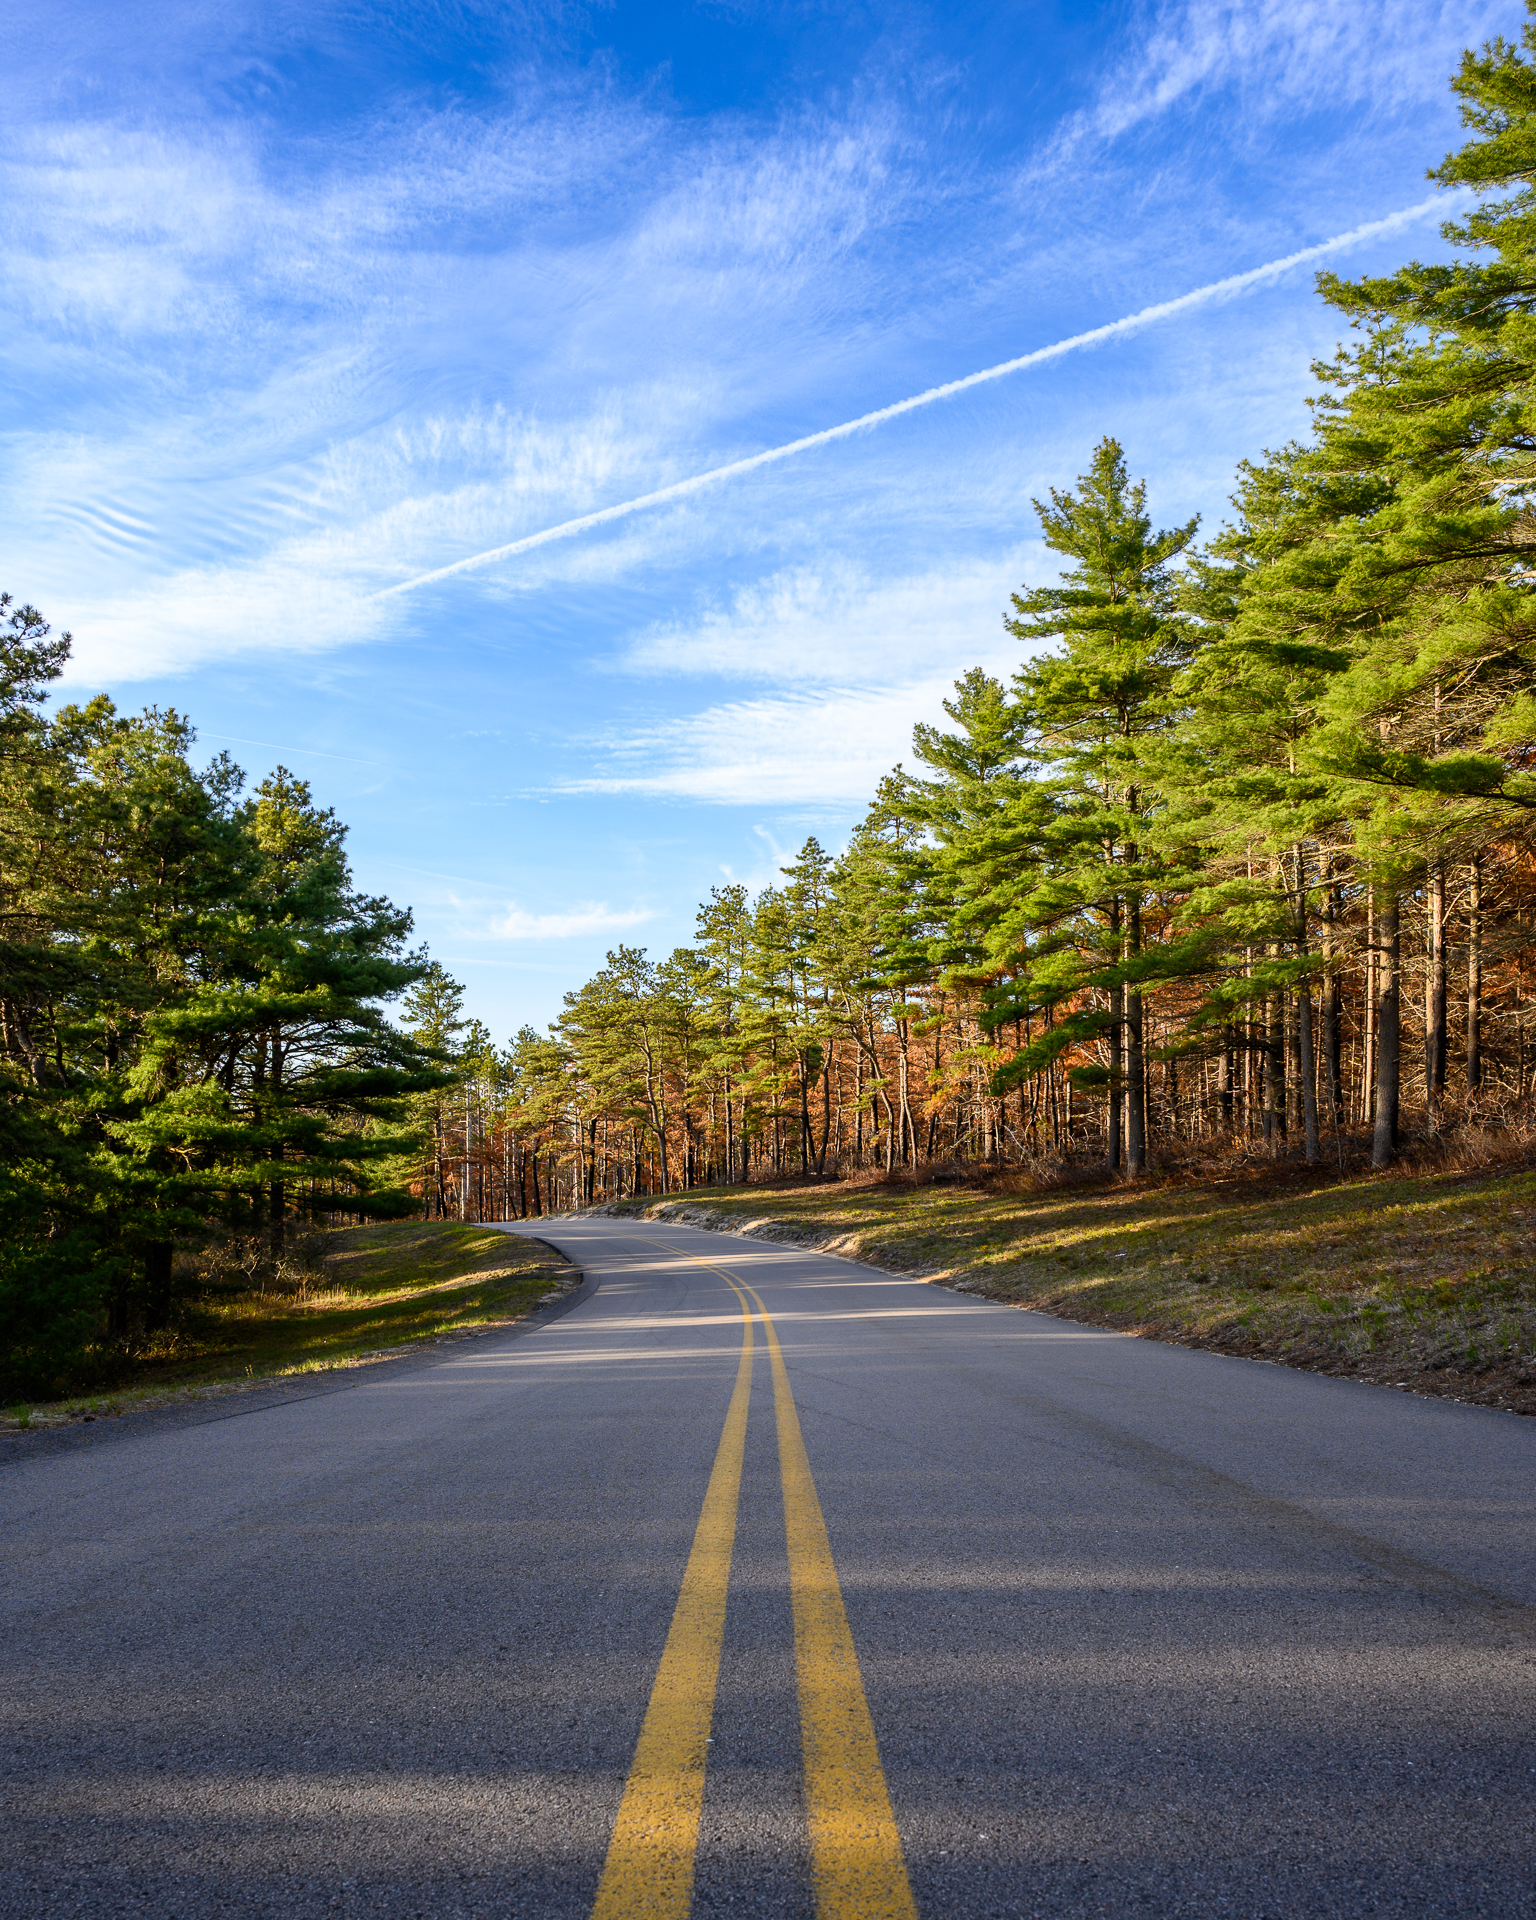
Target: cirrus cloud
x,y
595,916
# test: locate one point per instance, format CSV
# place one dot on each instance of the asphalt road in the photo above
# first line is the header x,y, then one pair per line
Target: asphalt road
x,y
1139,1630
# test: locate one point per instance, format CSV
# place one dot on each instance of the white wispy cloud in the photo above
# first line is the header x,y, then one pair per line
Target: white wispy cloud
x,y
839,620
826,749
1281,55
246,455
595,916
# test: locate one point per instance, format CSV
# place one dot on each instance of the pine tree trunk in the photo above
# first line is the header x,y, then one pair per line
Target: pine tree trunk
x,y
1114,1146
1227,1049
1332,1060
276,1196
1116,1116
1368,1061
1434,993
1274,1070
1136,1059
1291,1062
464,1179
1474,977
908,1138
1313,1148
1135,1089
826,1110
1388,1034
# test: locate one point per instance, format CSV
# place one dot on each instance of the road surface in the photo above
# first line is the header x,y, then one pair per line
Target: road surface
x,y
760,1583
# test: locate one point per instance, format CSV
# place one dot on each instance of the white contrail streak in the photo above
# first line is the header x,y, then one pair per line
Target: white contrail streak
x,y
1165,309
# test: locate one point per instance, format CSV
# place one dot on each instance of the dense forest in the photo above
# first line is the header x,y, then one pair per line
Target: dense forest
x,y
1244,857
1242,861
192,1029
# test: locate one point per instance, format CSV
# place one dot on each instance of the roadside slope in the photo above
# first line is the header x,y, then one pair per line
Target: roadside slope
x,y
1420,1282
368,1294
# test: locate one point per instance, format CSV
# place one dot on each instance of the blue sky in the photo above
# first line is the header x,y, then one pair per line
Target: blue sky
x,y
305,301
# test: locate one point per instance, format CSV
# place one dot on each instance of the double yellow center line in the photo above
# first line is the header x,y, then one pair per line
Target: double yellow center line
x,y
856,1866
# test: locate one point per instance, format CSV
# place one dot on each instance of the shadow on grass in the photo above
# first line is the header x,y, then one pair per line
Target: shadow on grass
x,y
377,1289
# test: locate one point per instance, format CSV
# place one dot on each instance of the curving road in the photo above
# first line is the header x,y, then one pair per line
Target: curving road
x,y
761,1583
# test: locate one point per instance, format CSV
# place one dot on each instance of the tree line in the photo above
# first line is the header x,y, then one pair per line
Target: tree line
x,y
194,1039
1244,853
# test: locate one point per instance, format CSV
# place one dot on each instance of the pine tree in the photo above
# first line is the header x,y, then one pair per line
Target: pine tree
x,y
724,939
1090,708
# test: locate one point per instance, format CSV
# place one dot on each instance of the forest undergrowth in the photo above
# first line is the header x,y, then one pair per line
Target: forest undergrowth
x,y
344,1298
1421,1279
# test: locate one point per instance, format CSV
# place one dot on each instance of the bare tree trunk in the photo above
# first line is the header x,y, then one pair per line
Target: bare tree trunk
x,y
1388,1035
1474,977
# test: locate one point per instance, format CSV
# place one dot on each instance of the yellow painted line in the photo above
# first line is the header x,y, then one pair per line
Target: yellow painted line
x,y
648,1874
857,1867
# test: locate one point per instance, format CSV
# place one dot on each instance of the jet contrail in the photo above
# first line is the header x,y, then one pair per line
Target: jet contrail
x,y
1165,309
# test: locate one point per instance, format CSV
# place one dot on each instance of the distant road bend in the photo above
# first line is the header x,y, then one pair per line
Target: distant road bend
x,y
760,1583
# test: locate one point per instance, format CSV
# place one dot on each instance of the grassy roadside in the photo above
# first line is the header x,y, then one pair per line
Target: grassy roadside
x,y
378,1289
1424,1282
